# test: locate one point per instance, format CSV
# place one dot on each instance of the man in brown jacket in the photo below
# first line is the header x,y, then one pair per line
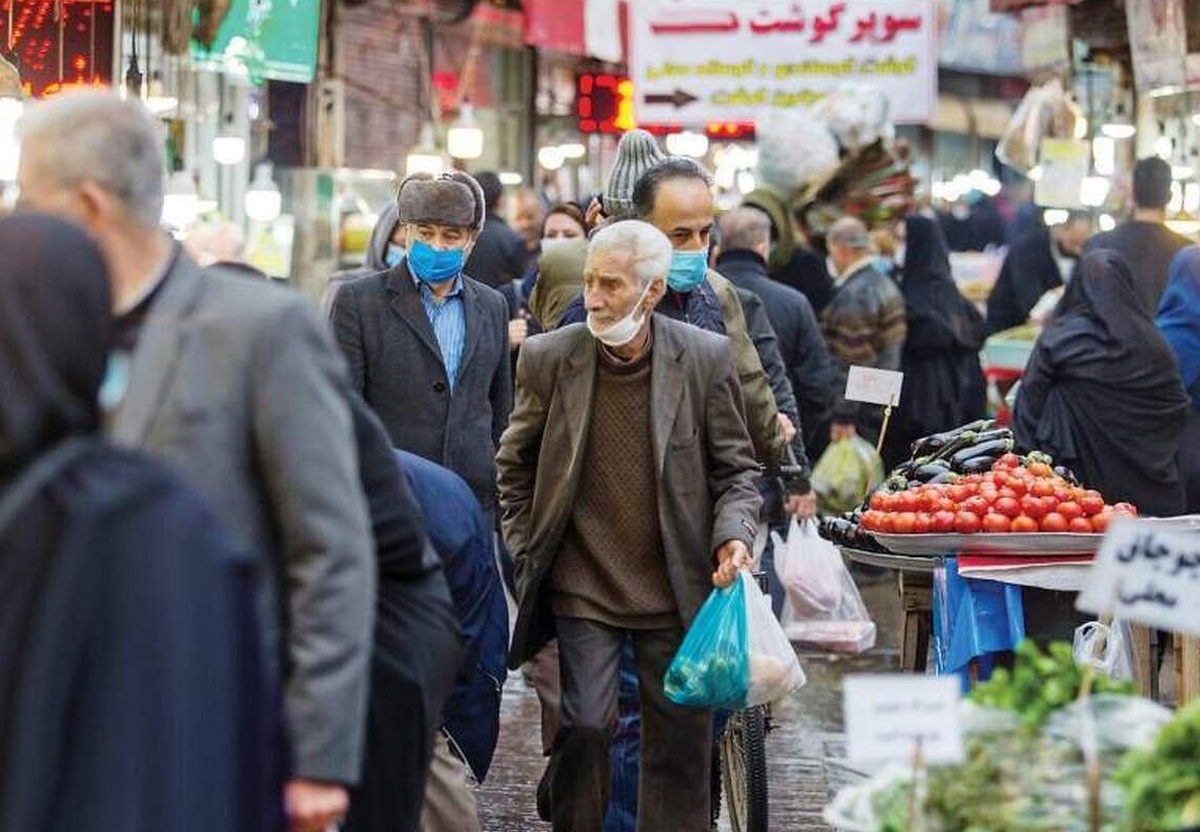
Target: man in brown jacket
x,y
627,489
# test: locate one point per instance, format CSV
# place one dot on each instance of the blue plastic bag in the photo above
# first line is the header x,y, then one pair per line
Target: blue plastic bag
x,y
973,620
712,667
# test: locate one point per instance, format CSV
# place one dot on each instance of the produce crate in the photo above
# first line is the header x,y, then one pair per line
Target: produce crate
x,y
1011,349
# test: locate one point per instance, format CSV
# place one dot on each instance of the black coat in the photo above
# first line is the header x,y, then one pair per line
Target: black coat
x,y
1029,271
499,254
1102,393
801,343
806,273
396,365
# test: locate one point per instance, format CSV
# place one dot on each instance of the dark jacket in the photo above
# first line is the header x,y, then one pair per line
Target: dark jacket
x,y
396,364
499,254
1148,248
374,259
801,345
792,262
1029,271
463,539
864,325
703,456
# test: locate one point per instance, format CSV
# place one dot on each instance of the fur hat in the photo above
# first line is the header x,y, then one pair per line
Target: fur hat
x,y
453,198
637,152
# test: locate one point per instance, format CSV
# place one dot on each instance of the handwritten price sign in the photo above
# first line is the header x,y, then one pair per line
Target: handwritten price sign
x,y
1147,575
866,384
890,717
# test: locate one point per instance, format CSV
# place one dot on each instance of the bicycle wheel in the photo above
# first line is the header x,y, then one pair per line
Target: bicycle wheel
x,y
744,769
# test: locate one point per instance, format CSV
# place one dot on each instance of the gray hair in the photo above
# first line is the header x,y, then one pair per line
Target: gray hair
x,y
744,229
849,232
649,248
94,135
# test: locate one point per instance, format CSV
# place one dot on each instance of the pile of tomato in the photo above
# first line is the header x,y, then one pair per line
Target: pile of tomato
x,y
1015,496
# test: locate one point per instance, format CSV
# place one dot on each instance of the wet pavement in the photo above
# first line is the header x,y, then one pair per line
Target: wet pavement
x,y
802,750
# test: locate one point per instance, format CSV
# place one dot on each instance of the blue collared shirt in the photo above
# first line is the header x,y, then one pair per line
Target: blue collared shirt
x,y
449,320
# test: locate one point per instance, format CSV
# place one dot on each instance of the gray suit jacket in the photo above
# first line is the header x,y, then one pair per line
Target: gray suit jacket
x,y
237,385
396,364
706,491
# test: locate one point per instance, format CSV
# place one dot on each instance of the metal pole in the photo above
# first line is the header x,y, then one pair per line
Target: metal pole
x,y
529,133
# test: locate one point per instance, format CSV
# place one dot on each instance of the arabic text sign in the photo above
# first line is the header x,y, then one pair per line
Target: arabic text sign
x,y
866,384
699,61
1146,575
888,716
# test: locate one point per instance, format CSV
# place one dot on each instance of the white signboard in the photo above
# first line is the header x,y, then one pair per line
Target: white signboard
x,y
1157,43
1146,575
890,717
866,384
699,61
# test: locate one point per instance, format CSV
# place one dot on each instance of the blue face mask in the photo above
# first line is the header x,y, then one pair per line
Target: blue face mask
x,y
688,269
393,255
432,265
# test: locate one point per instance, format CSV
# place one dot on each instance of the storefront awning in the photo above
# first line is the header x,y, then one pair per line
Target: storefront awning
x,y
584,28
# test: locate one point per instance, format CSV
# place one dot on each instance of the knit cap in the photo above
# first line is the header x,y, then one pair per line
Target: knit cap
x,y
637,152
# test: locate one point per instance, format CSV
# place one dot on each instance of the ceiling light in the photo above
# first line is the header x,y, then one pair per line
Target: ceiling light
x,y
509,177
229,150
1106,222
1118,130
425,157
1055,216
551,158
465,139
1093,190
1104,154
1182,171
180,202
263,200
572,150
687,143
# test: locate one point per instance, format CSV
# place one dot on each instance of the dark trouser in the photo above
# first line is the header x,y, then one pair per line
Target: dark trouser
x,y
676,742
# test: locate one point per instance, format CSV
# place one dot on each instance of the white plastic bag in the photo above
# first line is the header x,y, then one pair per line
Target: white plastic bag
x,y
1107,648
774,669
824,607
808,567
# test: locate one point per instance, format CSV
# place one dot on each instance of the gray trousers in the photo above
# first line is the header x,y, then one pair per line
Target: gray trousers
x,y
674,784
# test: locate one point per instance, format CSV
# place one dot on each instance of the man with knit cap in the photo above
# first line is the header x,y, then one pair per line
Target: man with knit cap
x,y
627,487
426,344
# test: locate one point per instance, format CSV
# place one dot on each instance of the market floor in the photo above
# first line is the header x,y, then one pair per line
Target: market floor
x,y
802,750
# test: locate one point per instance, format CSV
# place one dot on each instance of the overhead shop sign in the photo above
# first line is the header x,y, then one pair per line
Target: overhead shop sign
x,y
698,61
266,39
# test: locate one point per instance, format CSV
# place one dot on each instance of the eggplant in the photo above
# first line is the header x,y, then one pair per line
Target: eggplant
x,y
1067,474
944,477
978,464
935,442
930,470
993,448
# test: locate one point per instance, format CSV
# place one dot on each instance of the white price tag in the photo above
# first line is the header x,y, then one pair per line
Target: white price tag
x,y
888,717
1146,575
866,384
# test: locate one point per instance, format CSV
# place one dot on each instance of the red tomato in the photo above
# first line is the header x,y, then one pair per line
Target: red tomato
x,y
1091,503
1054,522
924,524
1017,485
1032,507
904,522
867,521
1070,510
929,501
1024,524
1125,510
885,523
1008,461
1080,525
947,504
996,524
959,493
977,505
881,501
1005,491
1100,522
1050,504
943,522
1040,469
904,501
966,522
1042,488
1008,506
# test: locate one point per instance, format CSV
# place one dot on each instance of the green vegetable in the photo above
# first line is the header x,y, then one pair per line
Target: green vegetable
x,y
1162,782
1040,683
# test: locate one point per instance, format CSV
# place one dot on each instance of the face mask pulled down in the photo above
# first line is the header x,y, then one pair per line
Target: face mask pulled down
x,y
624,330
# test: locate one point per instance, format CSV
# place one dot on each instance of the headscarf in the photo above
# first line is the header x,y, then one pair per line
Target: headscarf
x,y
53,354
938,315
1179,317
1103,392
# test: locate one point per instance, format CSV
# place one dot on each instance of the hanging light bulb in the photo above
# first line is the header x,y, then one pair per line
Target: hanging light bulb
x,y
264,202
1093,191
157,99
572,150
465,139
1119,126
425,157
551,157
228,147
180,202
1104,155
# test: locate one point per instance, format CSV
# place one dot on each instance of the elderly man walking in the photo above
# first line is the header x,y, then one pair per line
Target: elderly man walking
x,y
627,487
864,323
237,386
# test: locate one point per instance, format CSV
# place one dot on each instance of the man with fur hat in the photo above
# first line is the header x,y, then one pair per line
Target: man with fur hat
x,y
427,345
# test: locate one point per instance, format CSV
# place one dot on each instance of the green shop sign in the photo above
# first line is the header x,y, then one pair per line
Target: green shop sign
x,y
263,39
